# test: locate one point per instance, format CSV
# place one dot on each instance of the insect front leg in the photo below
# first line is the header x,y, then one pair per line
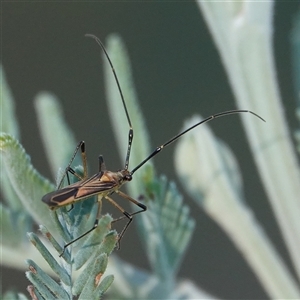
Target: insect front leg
x,y
126,214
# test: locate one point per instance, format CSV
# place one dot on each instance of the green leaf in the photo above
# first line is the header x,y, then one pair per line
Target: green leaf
x,y
8,124
10,295
29,185
43,291
45,282
80,282
244,37
103,287
134,283
211,176
90,286
91,246
57,137
166,226
92,255
62,274
141,145
297,132
54,242
295,45
13,227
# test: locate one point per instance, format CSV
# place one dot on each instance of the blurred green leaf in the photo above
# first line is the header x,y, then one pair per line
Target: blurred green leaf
x,y
29,185
166,227
57,137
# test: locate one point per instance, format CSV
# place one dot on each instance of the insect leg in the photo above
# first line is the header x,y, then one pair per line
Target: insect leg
x,y
124,212
102,166
125,196
90,230
81,146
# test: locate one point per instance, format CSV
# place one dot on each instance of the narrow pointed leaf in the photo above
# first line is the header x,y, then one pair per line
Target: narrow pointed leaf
x,y
29,185
42,289
9,125
103,287
63,275
13,227
93,242
57,137
51,285
141,146
96,268
210,177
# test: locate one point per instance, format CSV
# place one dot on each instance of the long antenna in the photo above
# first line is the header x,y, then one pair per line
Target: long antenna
x,y
173,139
130,134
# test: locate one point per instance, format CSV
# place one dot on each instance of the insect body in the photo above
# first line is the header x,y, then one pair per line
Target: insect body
x,y
102,184
105,183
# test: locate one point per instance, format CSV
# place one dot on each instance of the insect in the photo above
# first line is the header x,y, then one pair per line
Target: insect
x,y
105,183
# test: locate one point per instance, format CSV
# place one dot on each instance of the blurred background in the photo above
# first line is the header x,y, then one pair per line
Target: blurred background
x,y
177,73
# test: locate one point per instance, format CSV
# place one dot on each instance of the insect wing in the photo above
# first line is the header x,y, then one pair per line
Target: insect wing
x,y
61,197
79,191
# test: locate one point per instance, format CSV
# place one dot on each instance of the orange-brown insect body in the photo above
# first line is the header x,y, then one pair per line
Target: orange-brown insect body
x,y
103,183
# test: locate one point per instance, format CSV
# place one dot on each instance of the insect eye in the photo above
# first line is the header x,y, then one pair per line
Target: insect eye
x,y
128,177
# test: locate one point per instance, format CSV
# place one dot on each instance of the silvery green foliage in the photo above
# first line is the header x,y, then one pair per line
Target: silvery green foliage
x,y
242,32
166,228
23,188
295,41
90,257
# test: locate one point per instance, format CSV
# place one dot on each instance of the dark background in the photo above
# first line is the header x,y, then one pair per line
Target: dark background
x,y
177,72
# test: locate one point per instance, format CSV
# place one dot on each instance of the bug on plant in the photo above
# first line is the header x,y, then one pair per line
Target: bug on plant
x,y
105,183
